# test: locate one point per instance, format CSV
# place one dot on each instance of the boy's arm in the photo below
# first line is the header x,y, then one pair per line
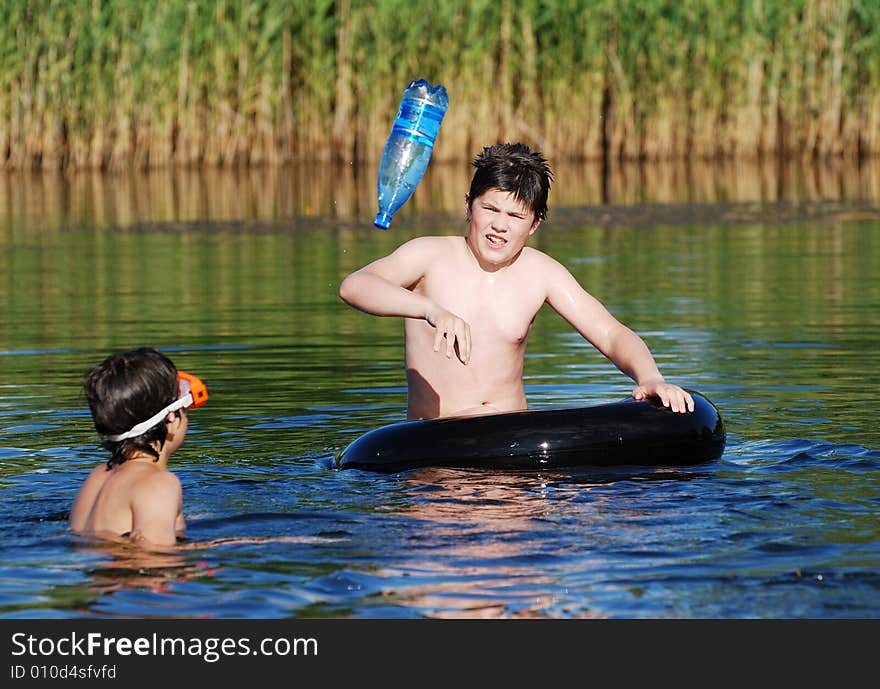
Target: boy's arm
x,y
385,288
622,346
156,508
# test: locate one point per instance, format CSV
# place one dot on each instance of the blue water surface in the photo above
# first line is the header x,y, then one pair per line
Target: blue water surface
x,y
775,323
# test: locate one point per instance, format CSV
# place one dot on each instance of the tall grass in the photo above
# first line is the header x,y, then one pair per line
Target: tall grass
x,y
108,85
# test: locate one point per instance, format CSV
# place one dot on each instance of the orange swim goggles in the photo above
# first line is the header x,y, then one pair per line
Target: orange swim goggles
x,y
188,384
191,391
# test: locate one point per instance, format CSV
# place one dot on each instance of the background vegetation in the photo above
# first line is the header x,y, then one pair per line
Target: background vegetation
x,y
108,85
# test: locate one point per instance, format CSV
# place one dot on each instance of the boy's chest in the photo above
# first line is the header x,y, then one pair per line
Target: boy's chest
x,y
496,308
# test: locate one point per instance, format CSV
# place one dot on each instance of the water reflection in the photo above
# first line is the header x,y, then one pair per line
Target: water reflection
x,y
483,550
513,500
124,566
481,545
187,571
33,203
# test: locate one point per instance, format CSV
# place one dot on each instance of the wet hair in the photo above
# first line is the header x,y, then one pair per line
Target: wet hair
x,y
126,389
513,168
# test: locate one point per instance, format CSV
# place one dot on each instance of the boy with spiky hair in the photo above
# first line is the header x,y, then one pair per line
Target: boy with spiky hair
x,y
469,302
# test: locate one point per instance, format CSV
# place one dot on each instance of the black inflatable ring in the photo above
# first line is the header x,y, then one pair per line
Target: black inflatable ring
x,y
625,433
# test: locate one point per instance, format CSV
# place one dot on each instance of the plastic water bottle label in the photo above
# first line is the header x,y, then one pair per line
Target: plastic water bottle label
x,y
418,121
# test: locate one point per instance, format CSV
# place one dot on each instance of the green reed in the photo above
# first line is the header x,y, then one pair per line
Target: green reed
x,y
112,84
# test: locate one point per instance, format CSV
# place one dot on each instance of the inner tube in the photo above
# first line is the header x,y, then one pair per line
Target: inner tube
x,y
625,433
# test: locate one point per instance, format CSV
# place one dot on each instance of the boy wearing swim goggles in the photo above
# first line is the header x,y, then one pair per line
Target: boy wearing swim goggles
x,y
138,401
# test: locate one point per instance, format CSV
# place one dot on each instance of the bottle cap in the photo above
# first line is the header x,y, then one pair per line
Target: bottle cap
x,y
383,221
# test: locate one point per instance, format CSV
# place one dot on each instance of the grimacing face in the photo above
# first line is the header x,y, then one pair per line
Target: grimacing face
x,y
499,225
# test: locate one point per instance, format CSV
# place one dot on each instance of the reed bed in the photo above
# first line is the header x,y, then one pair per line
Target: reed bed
x,y
92,84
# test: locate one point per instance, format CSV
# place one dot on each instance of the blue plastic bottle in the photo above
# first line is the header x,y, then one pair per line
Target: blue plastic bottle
x,y
409,146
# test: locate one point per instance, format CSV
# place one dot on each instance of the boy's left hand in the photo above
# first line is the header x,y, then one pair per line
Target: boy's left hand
x,y
672,396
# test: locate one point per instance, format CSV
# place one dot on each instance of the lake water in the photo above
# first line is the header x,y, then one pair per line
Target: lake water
x,y
760,291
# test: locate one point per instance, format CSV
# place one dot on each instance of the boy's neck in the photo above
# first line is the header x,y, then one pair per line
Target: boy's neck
x,y
143,458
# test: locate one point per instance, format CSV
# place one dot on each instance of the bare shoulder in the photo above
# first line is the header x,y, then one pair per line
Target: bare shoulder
x,y
95,481
429,246
159,482
98,475
85,498
415,252
156,496
156,506
413,259
539,264
539,258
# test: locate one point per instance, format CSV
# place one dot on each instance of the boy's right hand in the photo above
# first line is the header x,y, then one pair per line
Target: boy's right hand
x,y
456,331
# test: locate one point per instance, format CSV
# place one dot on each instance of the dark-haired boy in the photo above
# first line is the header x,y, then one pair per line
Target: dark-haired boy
x,y
138,402
480,293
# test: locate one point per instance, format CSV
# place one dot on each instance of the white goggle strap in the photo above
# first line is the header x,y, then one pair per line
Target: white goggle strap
x,y
184,401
